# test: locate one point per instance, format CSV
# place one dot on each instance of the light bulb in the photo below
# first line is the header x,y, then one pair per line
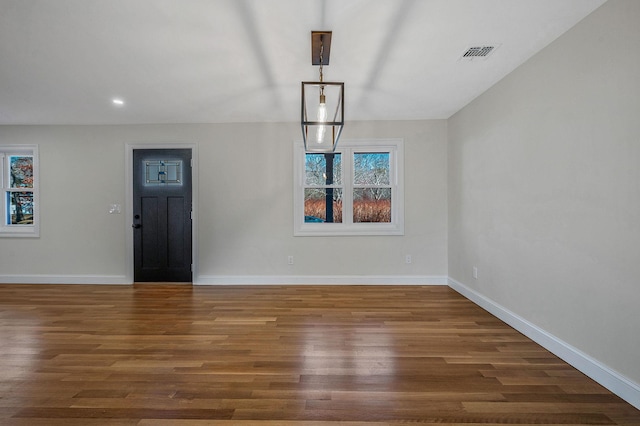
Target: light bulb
x,y
320,134
322,110
321,117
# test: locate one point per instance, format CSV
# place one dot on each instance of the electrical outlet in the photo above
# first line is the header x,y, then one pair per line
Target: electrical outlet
x,y
407,259
475,272
290,260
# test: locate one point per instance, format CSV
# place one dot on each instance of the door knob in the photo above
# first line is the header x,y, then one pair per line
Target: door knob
x,y
136,225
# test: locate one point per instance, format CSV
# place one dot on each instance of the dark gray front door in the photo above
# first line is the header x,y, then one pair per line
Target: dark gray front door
x,y
162,215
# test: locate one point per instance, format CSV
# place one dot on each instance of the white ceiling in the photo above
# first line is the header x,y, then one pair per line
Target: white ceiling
x,y
211,61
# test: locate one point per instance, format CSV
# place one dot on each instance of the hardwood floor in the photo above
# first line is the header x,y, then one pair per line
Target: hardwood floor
x,y
278,355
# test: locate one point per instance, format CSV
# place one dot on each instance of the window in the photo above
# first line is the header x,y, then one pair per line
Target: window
x,y
358,190
19,183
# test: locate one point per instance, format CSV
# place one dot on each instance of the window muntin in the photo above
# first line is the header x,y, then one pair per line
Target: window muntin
x,y
19,182
362,194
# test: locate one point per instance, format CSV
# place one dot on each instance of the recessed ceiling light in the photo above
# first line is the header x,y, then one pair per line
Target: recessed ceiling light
x,y
117,101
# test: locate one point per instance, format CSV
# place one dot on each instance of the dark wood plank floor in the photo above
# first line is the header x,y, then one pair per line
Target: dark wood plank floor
x,y
278,355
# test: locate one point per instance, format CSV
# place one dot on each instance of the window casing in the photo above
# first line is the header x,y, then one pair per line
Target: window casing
x,y
361,187
19,183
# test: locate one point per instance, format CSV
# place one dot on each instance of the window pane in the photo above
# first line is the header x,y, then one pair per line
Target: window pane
x,y
315,205
372,205
20,206
316,166
161,172
21,171
371,168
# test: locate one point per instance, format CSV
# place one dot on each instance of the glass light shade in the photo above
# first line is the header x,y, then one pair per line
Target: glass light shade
x,y
322,122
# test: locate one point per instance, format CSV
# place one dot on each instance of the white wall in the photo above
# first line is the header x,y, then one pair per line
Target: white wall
x,y
544,190
253,233
81,173
245,212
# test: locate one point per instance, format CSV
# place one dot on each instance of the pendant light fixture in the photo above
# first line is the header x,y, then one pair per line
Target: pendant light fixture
x,y
322,102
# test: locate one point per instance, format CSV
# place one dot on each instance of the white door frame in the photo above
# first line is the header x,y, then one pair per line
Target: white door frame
x,y
128,210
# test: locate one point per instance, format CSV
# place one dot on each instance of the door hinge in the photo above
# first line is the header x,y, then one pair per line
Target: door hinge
x,y
191,162
192,267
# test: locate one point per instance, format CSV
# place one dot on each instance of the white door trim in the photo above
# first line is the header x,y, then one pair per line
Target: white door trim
x,y
128,210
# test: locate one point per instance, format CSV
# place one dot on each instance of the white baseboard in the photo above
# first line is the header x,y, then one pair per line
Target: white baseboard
x,y
64,279
237,279
610,379
321,279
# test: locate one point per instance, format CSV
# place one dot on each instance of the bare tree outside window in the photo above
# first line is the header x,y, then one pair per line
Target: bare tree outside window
x,y
19,192
323,194
357,190
20,201
372,187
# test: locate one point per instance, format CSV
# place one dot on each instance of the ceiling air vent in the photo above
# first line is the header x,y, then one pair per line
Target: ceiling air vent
x,y
478,52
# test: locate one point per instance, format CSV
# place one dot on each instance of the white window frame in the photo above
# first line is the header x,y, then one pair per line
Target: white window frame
x,y
6,229
395,148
